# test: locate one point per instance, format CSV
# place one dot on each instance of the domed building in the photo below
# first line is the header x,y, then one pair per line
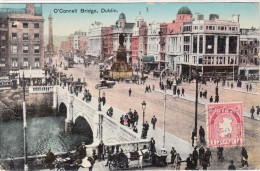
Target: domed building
x,y
184,15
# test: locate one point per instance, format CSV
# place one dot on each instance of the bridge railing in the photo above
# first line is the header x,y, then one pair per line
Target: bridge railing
x,y
41,89
116,147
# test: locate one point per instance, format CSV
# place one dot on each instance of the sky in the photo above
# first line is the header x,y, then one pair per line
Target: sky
x,y
67,23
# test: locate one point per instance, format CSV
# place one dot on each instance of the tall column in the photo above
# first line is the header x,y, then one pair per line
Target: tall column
x,y
227,45
55,97
204,44
69,119
215,44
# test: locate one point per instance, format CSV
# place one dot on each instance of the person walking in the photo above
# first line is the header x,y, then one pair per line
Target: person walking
x,y
202,135
136,117
193,137
173,155
204,162
208,156
231,166
178,161
152,145
182,91
257,109
252,111
244,157
201,154
153,121
129,92
195,157
250,87
178,92
211,99
103,99
82,151
189,162
101,147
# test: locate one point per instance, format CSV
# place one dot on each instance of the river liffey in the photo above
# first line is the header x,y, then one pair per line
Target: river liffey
x,y
43,133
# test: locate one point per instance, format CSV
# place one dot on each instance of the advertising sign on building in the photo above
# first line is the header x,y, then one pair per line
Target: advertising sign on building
x,y
225,124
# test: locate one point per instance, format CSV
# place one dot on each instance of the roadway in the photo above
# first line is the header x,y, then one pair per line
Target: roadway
x,y
179,111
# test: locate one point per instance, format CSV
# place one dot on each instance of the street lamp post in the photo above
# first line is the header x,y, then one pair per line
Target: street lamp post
x,y
99,100
24,126
196,106
143,107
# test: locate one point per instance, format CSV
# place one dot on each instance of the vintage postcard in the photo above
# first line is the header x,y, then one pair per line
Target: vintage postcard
x,y
129,85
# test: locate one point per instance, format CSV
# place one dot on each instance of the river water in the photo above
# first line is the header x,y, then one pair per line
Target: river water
x,y
43,133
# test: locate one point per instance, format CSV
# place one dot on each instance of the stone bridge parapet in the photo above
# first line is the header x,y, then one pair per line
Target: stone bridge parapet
x,y
104,128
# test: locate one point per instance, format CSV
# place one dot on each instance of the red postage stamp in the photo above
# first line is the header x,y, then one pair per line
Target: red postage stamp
x,y
225,124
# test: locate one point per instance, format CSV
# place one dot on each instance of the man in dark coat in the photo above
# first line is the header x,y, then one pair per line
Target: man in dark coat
x,y
231,166
129,92
182,91
252,111
195,157
202,134
244,157
211,99
173,155
189,162
208,156
204,162
201,154
101,151
153,121
193,137
152,145
82,151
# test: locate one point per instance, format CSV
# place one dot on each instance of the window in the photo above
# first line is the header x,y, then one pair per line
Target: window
x,y
25,36
14,36
14,62
232,44
25,62
36,25
36,36
201,27
194,44
221,44
25,25
210,28
222,28
25,49
207,27
186,39
14,48
36,49
201,44
209,44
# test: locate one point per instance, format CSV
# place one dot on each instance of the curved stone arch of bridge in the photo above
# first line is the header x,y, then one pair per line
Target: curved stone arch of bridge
x,y
84,115
59,104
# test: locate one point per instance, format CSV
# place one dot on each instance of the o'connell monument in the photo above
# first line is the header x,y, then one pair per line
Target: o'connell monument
x,y
120,69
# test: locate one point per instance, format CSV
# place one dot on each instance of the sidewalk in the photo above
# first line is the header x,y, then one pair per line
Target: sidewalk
x,y
205,101
242,90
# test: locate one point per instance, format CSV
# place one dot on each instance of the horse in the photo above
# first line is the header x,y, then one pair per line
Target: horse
x,y
139,155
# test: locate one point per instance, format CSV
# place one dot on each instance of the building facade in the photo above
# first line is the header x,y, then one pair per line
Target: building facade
x,y
175,32
94,40
212,45
152,59
26,40
80,42
4,64
135,43
249,54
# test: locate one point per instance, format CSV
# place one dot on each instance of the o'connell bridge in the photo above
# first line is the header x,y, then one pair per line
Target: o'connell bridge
x,y
104,128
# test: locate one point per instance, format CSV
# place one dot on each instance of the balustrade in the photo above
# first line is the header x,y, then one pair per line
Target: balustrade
x,y
40,89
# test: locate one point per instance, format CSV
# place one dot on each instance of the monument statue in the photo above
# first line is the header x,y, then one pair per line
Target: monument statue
x,y
121,68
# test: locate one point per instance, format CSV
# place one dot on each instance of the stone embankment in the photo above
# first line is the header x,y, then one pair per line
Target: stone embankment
x,y
37,105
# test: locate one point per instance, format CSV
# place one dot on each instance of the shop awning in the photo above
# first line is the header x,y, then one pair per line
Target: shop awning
x,y
148,59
